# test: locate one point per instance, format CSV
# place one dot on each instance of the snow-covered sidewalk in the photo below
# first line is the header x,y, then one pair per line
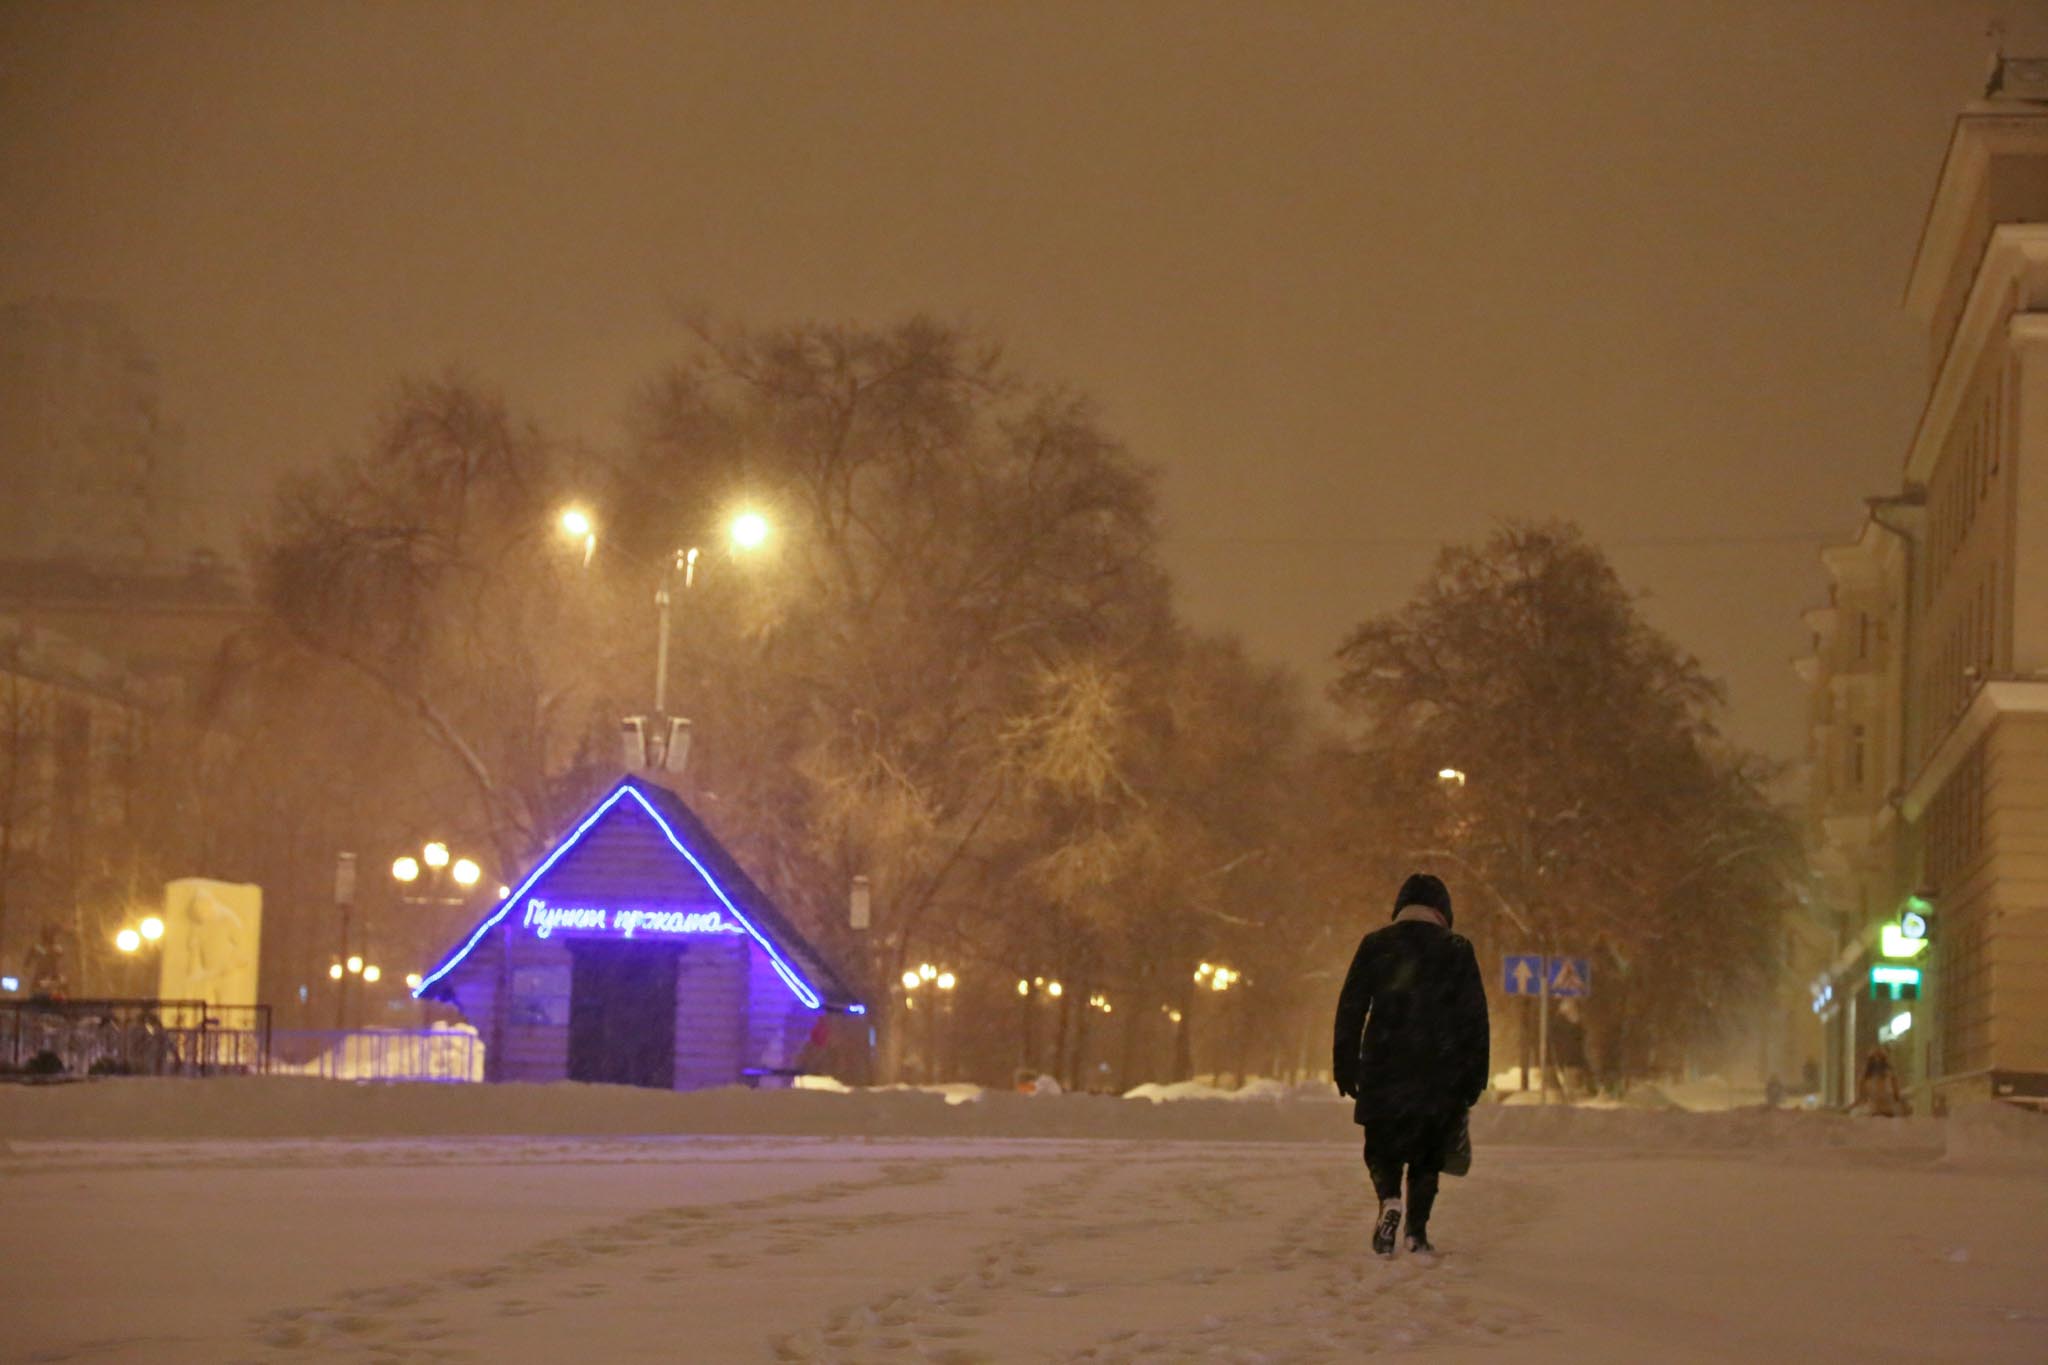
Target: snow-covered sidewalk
x,y
1759,1239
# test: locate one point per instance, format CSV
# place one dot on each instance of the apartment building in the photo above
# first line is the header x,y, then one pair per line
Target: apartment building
x,y
1929,677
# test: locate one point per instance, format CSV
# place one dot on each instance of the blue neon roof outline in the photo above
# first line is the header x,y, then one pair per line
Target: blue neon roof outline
x,y
790,977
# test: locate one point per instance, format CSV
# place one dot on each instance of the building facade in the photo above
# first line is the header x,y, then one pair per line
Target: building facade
x,y
72,803
1929,735
90,469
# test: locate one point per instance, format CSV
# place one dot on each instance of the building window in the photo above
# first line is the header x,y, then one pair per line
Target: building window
x,y
1859,752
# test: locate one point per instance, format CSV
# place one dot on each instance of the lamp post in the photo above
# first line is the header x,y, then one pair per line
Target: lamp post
x,y
1217,979
133,941
748,530
942,981
433,876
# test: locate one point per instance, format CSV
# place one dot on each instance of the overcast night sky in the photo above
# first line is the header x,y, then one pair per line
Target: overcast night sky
x,y
1357,278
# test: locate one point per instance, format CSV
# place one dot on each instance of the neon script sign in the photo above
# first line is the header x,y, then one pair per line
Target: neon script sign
x,y
545,919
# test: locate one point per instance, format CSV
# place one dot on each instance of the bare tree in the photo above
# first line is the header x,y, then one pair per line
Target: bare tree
x,y
1596,811
955,542
428,567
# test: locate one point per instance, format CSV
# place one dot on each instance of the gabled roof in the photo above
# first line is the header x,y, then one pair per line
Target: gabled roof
x,y
699,860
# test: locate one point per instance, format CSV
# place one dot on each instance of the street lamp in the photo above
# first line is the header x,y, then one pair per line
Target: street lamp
x,y
576,524
748,530
438,865
128,940
152,928
941,979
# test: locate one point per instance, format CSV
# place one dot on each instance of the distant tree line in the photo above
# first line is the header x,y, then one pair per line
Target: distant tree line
x,y
954,671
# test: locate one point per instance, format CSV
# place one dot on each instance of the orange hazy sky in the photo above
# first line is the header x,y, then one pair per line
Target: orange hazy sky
x,y
1358,278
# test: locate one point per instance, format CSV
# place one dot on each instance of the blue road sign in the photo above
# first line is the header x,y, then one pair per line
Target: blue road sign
x,y
1523,974
1570,978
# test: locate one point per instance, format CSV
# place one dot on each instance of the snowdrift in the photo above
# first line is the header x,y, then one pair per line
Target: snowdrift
x,y
290,1107
1998,1136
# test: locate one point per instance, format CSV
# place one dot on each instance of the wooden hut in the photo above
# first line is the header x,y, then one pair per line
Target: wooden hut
x,y
637,952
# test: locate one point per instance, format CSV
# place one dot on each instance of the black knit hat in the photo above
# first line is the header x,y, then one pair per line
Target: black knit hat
x,y
1423,889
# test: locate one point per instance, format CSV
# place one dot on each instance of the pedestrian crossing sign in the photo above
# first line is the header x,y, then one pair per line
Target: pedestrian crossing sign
x,y
1570,978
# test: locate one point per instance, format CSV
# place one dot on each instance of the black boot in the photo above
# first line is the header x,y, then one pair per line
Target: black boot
x,y
1417,1241
1383,1231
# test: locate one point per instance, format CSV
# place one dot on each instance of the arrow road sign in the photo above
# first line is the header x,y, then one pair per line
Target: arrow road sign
x,y
1522,973
1570,978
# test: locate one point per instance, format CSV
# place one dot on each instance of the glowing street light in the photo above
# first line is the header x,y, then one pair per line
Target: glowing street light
x,y
946,981
1023,988
1450,777
355,963
433,868
747,531
152,928
334,972
577,526
911,981
1053,988
127,940
412,981
372,973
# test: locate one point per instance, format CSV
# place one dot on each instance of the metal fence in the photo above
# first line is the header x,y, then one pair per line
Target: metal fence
x,y
43,1037
442,1054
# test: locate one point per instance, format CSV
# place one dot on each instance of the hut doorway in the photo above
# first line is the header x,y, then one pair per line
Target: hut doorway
x,y
622,1014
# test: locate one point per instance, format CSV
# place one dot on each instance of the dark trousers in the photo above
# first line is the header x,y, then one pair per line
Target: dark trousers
x,y
1414,1143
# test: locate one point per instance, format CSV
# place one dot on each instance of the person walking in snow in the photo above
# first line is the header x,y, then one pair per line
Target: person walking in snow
x,y
1877,1090
1411,1052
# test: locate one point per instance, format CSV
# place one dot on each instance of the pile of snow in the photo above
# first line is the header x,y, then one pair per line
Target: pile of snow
x,y
442,1052
1701,1095
279,1107
1258,1089
1990,1134
1666,1130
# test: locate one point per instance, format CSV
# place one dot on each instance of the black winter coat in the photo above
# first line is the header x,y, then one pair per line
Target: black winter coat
x,y
1411,1023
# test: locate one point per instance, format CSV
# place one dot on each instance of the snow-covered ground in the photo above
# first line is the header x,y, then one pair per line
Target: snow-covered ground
x,y
907,1228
